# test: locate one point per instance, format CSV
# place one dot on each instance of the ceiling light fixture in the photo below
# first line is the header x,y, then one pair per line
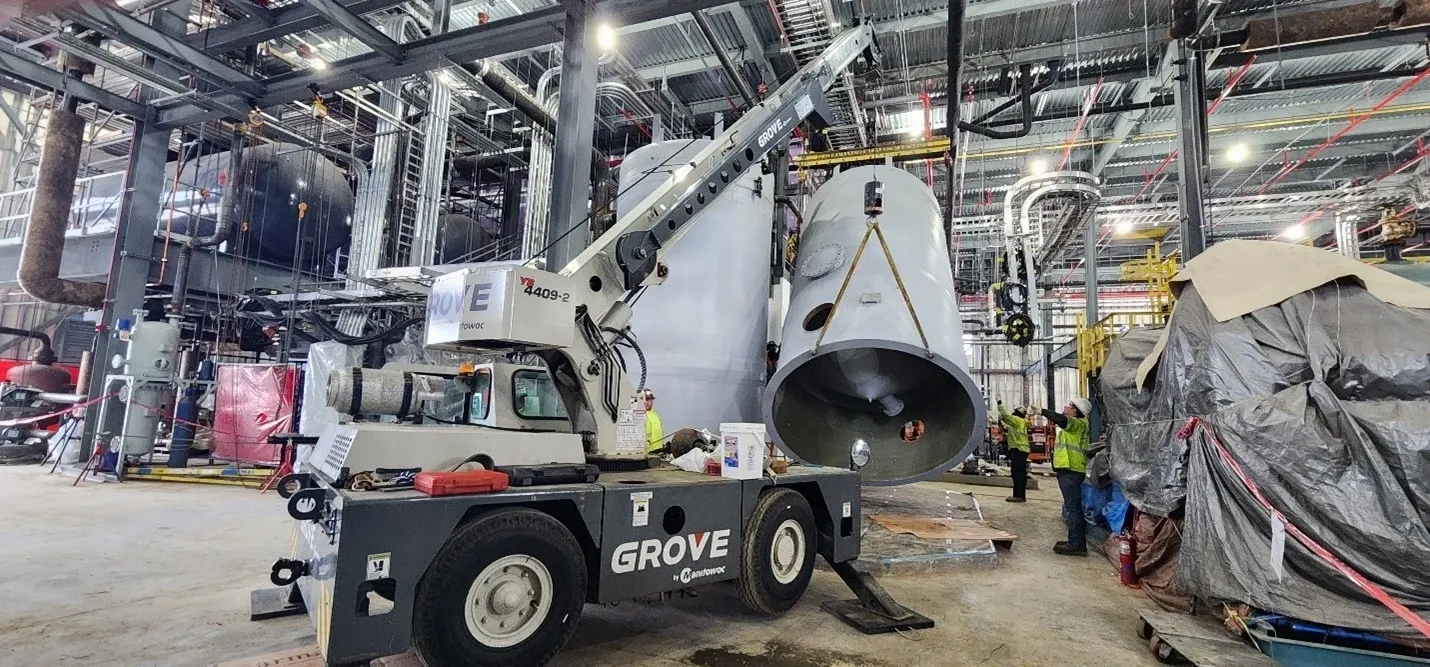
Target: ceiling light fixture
x,y
606,37
1038,166
1237,153
1295,232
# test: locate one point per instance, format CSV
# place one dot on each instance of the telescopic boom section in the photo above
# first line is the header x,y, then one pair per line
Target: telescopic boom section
x,y
628,255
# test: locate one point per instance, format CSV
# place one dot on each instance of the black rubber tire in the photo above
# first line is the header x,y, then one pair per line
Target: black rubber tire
x,y
439,627
759,589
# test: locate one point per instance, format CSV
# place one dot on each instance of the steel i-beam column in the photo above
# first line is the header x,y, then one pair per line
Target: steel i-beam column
x,y
135,226
571,169
1191,100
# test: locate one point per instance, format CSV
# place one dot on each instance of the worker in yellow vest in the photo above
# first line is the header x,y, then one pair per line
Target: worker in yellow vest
x,y
1070,466
1015,433
654,432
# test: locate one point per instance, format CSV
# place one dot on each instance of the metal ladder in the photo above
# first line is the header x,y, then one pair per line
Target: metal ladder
x,y
404,230
808,28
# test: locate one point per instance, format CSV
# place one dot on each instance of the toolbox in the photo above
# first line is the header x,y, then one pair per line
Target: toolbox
x,y
556,473
459,483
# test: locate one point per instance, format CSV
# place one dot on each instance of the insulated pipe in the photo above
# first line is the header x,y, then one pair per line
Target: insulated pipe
x,y
1041,186
872,375
43,245
703,22
497,78
223,229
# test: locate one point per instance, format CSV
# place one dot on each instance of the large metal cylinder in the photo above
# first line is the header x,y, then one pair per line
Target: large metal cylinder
x,y
872,378
703,330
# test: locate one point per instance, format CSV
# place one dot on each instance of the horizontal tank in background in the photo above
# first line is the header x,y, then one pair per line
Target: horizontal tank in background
x,y
274,180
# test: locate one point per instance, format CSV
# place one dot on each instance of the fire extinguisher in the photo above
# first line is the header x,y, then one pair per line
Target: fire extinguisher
x,y
1127,560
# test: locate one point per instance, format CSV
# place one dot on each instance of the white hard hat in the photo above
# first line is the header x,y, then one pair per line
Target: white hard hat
x,y
1083,405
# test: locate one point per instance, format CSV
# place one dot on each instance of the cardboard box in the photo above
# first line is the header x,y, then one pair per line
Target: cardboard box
x,y
744,451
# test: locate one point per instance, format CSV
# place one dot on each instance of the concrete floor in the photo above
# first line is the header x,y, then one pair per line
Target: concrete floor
x,y
159,574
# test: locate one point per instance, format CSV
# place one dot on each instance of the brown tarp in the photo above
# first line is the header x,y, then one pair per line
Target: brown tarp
x,y
1159,548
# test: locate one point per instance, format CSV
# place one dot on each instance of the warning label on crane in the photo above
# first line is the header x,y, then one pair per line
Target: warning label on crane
x,y
630,432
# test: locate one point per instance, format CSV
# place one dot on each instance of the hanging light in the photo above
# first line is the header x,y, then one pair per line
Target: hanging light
x,y
1124,227
1038,166
606,37
1237,153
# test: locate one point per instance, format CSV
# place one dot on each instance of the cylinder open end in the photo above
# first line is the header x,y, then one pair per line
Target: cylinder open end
x,y
818,405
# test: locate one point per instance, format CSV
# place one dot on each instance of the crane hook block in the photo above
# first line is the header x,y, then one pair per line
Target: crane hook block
x,y
873,198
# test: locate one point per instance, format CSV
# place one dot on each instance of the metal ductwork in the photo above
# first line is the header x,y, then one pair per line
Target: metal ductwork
x,y
872,377
43,245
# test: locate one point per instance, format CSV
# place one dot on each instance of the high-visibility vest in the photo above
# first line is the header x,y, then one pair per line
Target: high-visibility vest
x,y
654,432
1070,448
1017,430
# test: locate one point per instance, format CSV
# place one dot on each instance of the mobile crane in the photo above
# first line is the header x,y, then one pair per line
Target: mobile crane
x,y
501,578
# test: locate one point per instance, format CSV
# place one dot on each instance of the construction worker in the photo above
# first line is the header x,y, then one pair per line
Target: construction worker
x,y
654,432
1070,466
1015,429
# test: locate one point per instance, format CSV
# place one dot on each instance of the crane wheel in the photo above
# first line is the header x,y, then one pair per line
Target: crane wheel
x,y
506,589
777,559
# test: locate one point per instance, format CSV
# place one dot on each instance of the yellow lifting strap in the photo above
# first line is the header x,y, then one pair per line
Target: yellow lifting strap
x,y
872,228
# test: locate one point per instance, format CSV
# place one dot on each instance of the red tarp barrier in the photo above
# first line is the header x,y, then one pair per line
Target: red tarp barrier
x,y
253,402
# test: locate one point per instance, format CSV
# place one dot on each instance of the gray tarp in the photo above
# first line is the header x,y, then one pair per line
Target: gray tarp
x,y
1323,399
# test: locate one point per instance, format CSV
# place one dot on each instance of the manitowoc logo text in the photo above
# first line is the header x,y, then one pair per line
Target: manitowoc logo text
x,y
632,556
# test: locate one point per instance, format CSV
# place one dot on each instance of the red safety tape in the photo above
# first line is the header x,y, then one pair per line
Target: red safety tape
x,y
1356,578
167,415
52,415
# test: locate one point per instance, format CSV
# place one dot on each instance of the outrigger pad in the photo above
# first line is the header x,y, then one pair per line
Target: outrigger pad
x,y
871,622
875,612
266,603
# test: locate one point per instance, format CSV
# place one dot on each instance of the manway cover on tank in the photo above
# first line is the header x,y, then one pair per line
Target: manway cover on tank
x,y
872,378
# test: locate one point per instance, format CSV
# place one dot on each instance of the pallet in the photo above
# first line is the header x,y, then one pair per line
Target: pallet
x,y
1180,638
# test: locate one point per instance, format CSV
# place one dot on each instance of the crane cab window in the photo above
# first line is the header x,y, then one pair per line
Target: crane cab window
x,y
481,400
534,395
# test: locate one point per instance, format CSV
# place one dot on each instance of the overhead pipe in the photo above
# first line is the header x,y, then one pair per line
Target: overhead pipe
x,y
43,245
223,229
1367,18
956,9
1165,100
703,22
499,79
1025,99
27,333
